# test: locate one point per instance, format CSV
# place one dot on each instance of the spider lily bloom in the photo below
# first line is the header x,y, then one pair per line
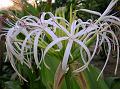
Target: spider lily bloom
x,y
39,30
12,47
72,37
20,49
106,22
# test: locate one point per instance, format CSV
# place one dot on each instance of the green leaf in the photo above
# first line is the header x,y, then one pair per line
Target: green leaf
x,y
116,84
92,75
113,82
47,75
71,83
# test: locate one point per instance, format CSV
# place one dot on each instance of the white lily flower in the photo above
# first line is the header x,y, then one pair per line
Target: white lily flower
x,y
72,37
11,48
105,22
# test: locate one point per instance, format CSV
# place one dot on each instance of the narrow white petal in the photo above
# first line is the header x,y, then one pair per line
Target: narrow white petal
x,y
35,48
25,41
88,54
78,23
51,33
60,18
87,30
87,63
30,17
108,54
9,43
82,24
95,48
92,12
118,51
84,41
57,25
44,14
73,27
111,17
110,6
112,21
54,42
66,55
83,46
14,67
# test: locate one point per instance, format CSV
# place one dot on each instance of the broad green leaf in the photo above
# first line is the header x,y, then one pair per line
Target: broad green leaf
x,y
92,76
48,74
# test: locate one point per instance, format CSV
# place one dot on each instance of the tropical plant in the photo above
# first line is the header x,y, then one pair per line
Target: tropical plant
x,y
60,49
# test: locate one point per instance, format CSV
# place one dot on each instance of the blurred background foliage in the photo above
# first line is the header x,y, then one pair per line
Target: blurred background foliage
x,y
9,79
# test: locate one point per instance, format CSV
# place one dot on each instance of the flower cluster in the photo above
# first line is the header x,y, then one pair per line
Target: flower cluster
x,y
34,29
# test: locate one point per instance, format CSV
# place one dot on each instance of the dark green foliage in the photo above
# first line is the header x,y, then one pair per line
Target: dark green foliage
x,y
113,82
12,85
5,74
